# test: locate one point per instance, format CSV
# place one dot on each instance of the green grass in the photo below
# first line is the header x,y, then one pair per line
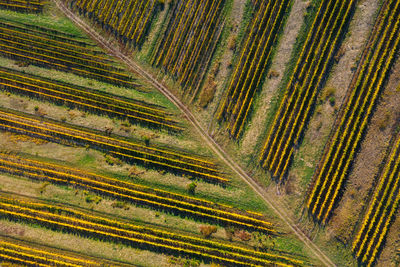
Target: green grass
x,y
87,159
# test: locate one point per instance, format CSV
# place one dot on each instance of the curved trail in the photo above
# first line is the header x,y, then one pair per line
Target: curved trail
x,y
274,205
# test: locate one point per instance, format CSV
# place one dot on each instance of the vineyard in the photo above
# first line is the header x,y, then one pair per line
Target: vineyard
x,y
252,65
13,251
73,221
188,41
381,211
128,20
132,152
138,194
199,133
312,67
50,50
329,179
22,5
86,99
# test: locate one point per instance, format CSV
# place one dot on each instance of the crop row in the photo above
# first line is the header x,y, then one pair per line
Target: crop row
x,y
61,48
22,5
252,65
28,256
47,52
60,38
188,41
311,70
141,195
149,238
129,20
127,150
381,211
329,179
85,98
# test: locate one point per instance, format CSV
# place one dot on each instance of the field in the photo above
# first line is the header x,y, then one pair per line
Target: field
x,y
199,133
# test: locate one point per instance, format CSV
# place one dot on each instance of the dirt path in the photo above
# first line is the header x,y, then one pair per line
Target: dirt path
x,y
280,211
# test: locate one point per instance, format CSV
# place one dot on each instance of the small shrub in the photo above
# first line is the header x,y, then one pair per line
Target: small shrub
x,y
232,43
36,108
120,205
108,130
332,101
92,198
192,188
327,93
273,74
22,64
134,172
384,122
126,123
230,233
243,235
42,188
208,93
146,140
208,230
340,53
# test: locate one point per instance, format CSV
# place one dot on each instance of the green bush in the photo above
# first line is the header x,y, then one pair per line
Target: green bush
x,y
192,188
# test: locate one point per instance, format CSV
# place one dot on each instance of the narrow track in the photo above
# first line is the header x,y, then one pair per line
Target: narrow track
x,y
276,207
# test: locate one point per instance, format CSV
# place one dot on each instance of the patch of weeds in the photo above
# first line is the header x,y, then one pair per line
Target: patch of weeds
x,y
384,122
179,261
86,159
43,187
89,198
120,205
208,93
328,93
